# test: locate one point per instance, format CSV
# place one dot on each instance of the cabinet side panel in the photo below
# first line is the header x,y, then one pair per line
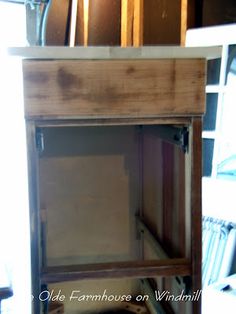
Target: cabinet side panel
x,y
34,216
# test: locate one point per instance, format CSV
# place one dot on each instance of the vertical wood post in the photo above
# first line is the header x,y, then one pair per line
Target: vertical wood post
x,y
196,212
138,23
127,17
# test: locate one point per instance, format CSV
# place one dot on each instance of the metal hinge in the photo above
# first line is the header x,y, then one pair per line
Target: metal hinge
x,y
39,140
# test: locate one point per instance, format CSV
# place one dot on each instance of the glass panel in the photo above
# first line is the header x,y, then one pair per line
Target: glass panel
x,y
208,146
213,71
209,120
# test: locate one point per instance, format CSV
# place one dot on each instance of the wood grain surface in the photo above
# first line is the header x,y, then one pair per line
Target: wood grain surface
x,y
117,88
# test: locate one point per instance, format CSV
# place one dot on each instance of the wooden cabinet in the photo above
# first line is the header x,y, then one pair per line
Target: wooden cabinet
x,y
114,146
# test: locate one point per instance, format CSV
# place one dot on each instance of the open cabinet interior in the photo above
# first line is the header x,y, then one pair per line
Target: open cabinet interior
x,y
114,147
108,194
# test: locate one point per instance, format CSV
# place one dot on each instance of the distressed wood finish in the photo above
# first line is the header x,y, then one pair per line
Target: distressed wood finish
x,y
137,269
96,89
196,209
113,121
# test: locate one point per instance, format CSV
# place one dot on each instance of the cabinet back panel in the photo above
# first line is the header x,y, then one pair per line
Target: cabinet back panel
x,y
89,190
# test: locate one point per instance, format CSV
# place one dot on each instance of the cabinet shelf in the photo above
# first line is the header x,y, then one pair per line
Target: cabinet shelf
x,y
132,269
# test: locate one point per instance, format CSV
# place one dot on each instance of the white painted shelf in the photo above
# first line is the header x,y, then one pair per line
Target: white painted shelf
x,y
150,52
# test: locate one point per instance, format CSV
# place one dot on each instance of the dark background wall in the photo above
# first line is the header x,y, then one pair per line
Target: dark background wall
x,y
161,20
216,12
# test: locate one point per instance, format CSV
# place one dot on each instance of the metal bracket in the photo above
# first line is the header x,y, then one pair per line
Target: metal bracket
x,y
184,139
175,135
39,141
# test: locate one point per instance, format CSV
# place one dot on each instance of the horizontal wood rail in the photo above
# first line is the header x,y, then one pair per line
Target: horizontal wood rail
x,y
131,269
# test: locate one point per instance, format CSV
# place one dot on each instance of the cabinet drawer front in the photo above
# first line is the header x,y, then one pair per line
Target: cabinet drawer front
x,y
114,88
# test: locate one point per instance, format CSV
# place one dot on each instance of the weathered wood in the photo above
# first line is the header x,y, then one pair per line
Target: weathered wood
x,y
137,269
95,89
196,209
113,121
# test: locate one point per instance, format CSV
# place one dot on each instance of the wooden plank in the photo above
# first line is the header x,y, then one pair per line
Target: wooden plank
x,y
184,19
80,27
34,215
138,23
196,211
127,15
137,269
83,89
115,121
